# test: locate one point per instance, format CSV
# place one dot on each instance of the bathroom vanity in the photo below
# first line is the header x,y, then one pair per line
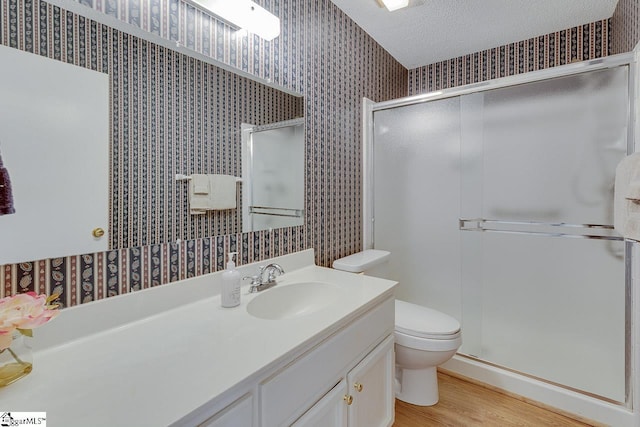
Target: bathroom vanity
x,y
318,350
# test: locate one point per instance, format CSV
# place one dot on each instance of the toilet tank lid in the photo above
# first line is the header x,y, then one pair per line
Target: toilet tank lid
x,y
361,261
420,321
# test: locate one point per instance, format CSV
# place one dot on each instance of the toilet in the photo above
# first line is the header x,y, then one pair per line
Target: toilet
x,y
425,338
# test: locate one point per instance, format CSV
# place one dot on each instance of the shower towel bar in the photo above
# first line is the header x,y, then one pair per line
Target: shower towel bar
x,y
492,225
295,213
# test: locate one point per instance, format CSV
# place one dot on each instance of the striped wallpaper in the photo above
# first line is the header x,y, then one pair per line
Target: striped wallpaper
x,y
321,53
626,26
309,57
588,41
162,123
174,114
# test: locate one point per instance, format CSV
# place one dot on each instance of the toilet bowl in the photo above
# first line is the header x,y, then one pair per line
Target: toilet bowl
x,y
424,338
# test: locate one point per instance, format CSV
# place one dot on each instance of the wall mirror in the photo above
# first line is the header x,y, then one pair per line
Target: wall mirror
x,y
169,110
273,175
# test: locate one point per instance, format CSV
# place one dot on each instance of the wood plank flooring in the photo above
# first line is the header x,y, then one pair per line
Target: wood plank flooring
x,y
464,404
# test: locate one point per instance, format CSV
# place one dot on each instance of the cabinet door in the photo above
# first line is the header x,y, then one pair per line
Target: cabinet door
x,y
371,385
329,411
239,413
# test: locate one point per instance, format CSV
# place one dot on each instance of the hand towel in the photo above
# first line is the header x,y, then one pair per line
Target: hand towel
x,y
220,193
199,202
222,190
200,184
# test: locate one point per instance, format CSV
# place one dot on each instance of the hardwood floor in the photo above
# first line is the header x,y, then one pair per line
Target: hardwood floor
x,y
464,404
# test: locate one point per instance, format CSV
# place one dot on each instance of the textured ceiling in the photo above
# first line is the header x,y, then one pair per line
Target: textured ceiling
x,y
434,30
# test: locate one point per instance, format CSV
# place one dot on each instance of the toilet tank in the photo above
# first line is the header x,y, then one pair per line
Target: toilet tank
x,y
371,262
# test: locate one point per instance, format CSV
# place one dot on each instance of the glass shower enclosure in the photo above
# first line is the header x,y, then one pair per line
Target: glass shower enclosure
x,y
497,207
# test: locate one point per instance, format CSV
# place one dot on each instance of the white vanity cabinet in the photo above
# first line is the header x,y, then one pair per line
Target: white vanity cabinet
x,y
244,370
345,379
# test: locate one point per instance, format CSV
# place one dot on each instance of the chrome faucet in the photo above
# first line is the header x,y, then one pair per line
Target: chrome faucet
x,y
259,284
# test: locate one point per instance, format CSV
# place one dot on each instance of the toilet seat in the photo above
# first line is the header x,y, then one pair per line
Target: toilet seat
x,y
452,342
412,321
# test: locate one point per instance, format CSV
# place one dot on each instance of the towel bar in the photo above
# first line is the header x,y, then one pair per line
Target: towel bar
x,y
521,227
295,213
181,177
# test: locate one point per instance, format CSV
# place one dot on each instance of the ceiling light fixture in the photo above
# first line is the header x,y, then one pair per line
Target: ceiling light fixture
x,y
392,5
243,14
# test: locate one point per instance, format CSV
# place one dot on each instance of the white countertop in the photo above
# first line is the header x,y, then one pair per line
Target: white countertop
x,y
155,356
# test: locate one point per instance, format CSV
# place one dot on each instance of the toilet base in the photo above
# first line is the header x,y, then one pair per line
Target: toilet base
x,y
418,386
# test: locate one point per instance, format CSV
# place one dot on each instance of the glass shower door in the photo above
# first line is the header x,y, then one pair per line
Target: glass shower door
x,y
497,209
417,201
545,288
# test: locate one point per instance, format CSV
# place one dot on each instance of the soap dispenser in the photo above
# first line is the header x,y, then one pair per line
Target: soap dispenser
x,y
230,293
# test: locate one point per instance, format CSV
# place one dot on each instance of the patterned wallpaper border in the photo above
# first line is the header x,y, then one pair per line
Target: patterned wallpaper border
x,y
90,277
585,42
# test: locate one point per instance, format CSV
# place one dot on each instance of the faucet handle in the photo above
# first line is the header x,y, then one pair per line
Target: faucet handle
x,y
257,278
256,281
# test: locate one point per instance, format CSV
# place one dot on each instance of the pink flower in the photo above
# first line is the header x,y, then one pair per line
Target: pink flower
x,y
23,311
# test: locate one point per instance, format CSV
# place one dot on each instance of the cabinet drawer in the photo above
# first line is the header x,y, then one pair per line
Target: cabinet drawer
x,y
294,390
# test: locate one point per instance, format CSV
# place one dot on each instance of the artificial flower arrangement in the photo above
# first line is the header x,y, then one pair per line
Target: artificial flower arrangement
x,y
19,314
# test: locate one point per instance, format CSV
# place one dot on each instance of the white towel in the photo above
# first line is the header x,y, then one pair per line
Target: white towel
x,y
626,203
199,194
200,184
220,193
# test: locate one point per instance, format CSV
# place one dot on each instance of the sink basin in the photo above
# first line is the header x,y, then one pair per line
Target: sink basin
x,y
298,299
